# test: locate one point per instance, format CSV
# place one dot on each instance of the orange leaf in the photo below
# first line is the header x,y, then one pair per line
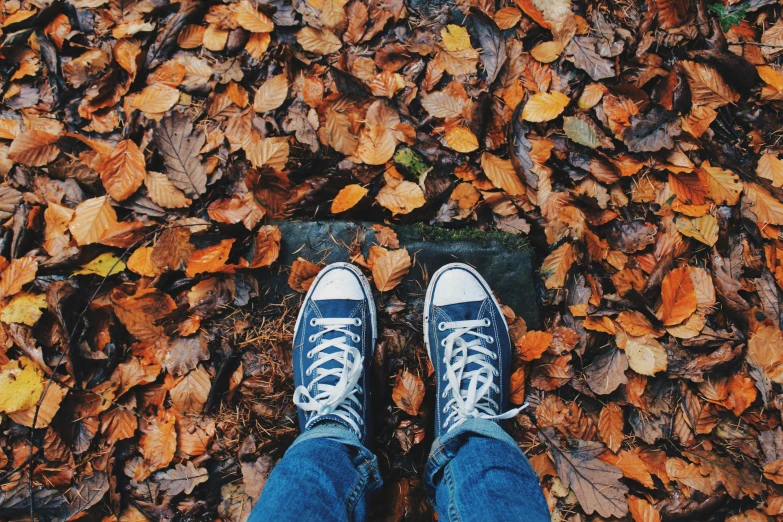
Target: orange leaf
x,y
122,172
210,259
267,246
678,297
610,426
348,197
20,272
34,148
642,511
533,345
518,386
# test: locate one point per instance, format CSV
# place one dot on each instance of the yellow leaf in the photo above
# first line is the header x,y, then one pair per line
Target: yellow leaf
x,y
105,265
21,385
455,38
163,192
272,152
156,99
215,38
591,95
271,94
56,235
91,219
389,269
724,187
251,19
347,198
645,355
704,229
318,41
461,139
768,210
376,140
402,198
141,263
547,52
545,106
502,174
50,405
771,168
24,308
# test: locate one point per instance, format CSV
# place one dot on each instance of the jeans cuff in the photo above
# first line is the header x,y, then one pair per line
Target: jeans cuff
x,y
445,447
332,431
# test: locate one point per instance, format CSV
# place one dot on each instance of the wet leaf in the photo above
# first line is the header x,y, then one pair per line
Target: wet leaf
x,y
408,392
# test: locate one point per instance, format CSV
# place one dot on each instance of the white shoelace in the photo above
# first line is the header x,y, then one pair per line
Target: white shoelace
x,y
474,402
336,399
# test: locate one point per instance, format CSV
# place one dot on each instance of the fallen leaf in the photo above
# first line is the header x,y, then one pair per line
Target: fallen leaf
x,y
408,392
678,297
91,219
390,268
181,479
105,265
545,106
347,198
17,274
302,274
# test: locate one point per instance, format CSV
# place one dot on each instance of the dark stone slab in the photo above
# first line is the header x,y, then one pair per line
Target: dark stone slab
x,y
505,260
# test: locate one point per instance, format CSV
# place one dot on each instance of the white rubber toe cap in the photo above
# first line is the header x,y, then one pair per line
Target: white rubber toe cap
x,y
457,285
338,283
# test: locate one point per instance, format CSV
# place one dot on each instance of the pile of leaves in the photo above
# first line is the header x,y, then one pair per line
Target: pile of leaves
x,y
147,147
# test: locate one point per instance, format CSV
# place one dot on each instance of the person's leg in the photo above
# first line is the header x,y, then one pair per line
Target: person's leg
x,y
477,473
475,470
328,473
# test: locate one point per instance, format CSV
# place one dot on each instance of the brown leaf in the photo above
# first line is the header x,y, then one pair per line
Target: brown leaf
x,y
271,94
596,484
641,510
408,392
157,443
610,426
390,268
140,312
302,274
190,392
267,246
502,174
182,479
34,148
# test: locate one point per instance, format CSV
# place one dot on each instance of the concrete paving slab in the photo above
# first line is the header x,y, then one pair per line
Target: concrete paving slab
x,y
505,260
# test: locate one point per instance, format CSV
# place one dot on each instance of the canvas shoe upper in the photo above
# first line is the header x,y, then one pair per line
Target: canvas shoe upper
x,y
334,340
468,343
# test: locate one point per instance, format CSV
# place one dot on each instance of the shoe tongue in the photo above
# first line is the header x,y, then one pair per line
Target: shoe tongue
x,y
331,309
467,312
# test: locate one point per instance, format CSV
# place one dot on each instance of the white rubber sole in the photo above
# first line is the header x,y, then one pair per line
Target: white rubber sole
x,y
431,288
365,286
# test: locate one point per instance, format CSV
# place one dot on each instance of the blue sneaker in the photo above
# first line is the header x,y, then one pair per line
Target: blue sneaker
x,y
469,346
334,340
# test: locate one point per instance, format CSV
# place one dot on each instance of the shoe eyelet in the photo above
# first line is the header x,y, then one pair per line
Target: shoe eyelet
x,y
308,372
443,395
445,410
312,321
311,338
495,372
494,356
357,322
445,378
443,343
356,338
441,326
310,354
486,322
491,340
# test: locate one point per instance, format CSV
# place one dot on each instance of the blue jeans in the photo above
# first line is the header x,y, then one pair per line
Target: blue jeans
x,y
474,473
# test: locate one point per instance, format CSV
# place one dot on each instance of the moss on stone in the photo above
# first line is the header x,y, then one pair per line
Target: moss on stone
x,y
511,241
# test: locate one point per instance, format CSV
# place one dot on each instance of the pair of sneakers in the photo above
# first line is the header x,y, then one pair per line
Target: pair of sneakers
x,y
465,333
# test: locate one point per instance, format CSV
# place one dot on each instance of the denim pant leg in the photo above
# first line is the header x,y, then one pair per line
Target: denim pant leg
x,y
326,475
477,472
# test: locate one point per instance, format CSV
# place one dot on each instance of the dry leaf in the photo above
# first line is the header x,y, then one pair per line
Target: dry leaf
x,y
347,198
389,269
408,392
